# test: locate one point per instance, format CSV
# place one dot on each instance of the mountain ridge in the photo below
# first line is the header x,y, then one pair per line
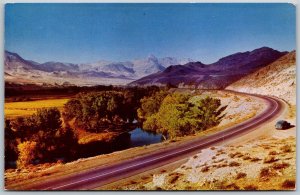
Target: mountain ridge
x,y
216,75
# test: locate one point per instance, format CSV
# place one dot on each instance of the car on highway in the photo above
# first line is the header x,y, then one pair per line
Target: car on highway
x,y
282,125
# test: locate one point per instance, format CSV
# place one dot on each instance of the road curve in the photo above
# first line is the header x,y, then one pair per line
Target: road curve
x,y
110,173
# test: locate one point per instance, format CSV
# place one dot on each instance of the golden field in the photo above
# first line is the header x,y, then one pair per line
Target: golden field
x,y
26,108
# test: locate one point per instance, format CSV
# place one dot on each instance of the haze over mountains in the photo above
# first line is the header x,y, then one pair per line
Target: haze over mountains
x,y
148,71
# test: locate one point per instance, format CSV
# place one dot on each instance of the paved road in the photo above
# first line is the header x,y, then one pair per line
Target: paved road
x,y
107,174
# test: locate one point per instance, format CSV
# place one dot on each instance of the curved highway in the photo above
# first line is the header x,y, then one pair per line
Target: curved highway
x,y
114,172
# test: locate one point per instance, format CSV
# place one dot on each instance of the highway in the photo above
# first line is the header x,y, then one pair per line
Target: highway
x,y
98,177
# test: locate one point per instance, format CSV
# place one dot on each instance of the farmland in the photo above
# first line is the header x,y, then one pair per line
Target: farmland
x,y
27,108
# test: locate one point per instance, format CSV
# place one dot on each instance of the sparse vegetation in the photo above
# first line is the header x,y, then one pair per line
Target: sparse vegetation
x,y
286,148
241,175
247,157
250,187
273,153
205,169
270,159
234,164
289,184
255,159
173,179
279,166
266,173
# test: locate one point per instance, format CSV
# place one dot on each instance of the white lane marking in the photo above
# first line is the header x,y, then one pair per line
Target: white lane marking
x,y
83,180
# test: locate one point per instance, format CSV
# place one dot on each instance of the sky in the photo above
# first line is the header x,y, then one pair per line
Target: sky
x,y
80,33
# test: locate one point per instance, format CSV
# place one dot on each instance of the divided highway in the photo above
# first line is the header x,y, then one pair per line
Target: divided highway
x,y
98,177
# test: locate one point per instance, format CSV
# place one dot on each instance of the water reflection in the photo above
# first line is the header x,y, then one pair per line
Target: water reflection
x,y
139,137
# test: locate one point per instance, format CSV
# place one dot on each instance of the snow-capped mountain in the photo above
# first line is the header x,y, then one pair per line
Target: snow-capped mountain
x,y
102,71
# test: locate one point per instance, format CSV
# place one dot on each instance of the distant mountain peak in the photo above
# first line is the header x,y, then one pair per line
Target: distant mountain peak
x,y
151,56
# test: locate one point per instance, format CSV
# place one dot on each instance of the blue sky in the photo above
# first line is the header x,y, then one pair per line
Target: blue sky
x,y
80,33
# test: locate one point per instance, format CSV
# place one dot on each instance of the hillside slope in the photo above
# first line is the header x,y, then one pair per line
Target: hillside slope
x,y
278,79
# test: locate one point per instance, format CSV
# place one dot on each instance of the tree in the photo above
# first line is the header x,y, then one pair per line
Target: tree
x,y
44,129
11,150
177,116
27,153
98,111
150,105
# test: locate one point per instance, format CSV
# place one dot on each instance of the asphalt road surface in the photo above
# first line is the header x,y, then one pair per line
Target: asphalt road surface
x,y
98,177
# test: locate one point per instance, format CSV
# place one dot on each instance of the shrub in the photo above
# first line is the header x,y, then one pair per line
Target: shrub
x,y
282,165
289,184
205,169
251,187
232,186
270,159
241,175
286,148
234,164
236,154
273,153
255,159
173,179
266,173
246,157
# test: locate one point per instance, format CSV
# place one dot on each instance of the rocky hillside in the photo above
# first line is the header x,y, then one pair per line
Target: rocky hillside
x,y
213,76
278,79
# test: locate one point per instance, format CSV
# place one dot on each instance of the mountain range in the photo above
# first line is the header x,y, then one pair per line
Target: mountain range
x,y
141,72
17,69
217,75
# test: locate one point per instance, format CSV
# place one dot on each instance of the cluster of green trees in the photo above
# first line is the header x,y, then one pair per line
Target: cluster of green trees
x,y
39,137
175,115
105,110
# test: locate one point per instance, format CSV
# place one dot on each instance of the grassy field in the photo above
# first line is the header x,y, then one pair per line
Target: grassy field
x,y
15,109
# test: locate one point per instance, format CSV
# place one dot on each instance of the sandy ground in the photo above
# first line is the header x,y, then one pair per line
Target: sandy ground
x,y
17,179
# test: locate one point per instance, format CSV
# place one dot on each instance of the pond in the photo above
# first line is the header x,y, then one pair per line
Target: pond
x,y
139,137
134,138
